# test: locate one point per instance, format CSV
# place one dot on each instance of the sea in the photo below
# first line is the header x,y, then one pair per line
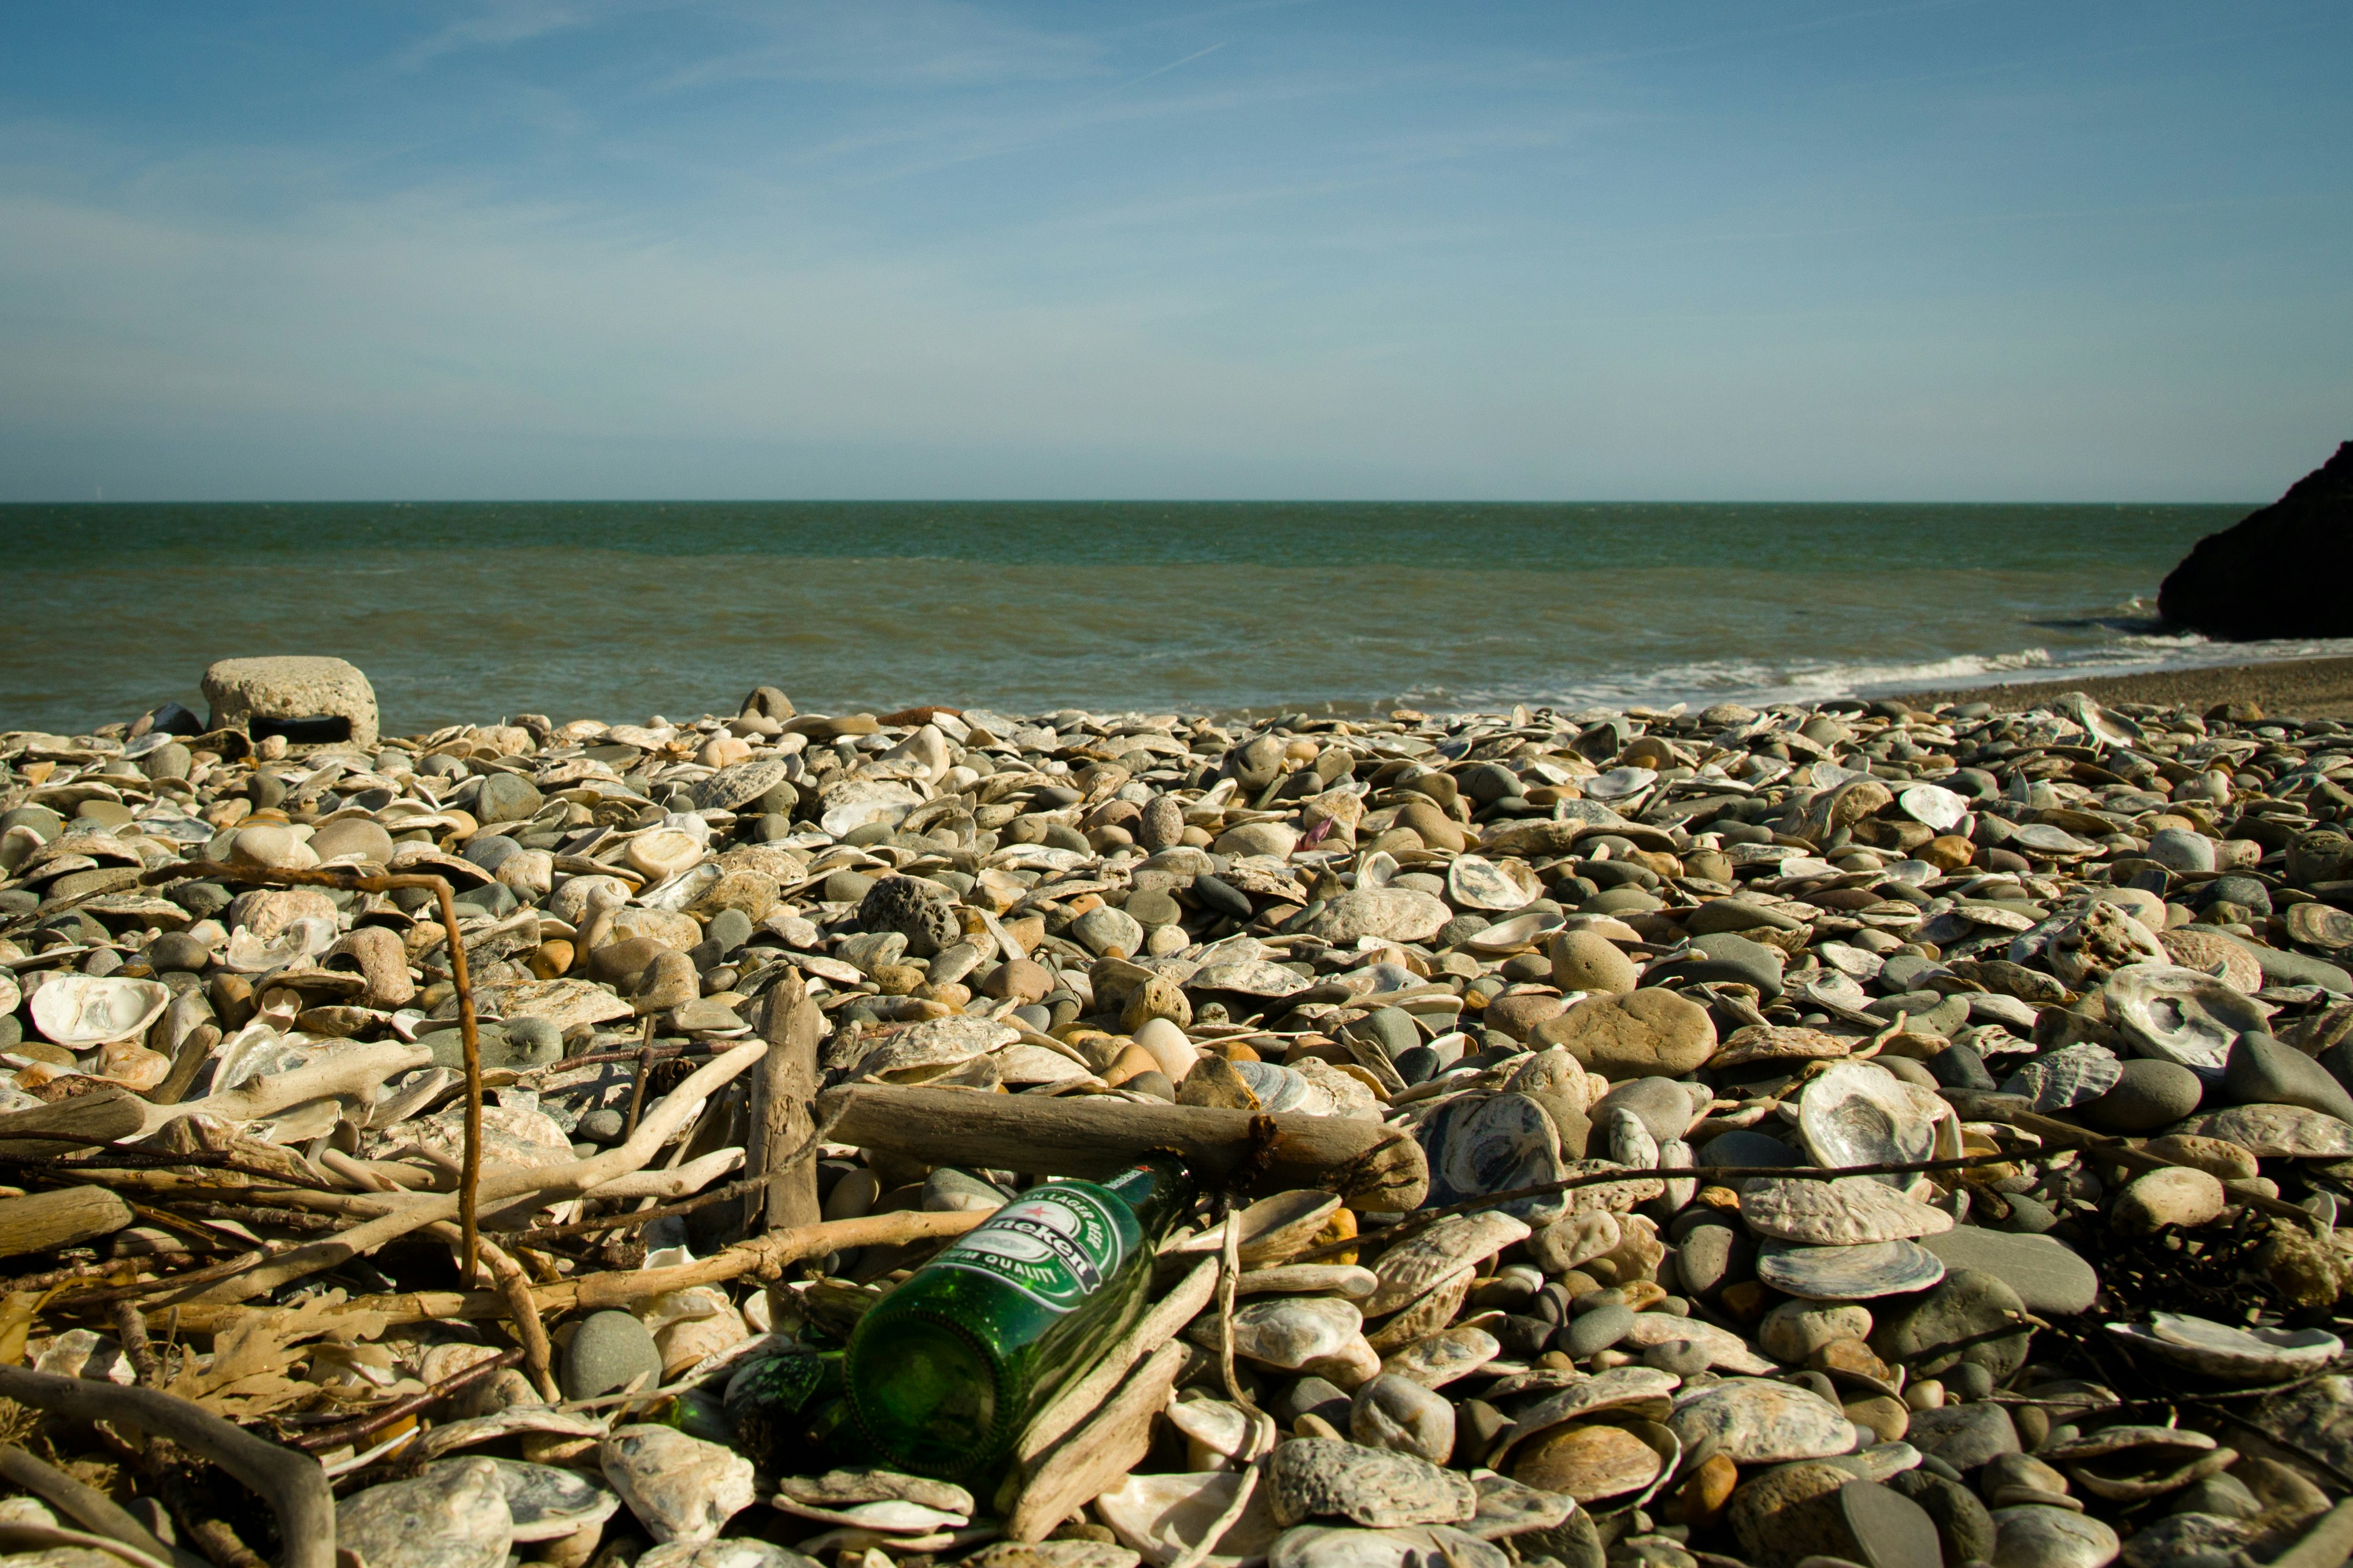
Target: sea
x,y
623,611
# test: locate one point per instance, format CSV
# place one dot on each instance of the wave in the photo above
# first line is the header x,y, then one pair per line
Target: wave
x,y
1758,681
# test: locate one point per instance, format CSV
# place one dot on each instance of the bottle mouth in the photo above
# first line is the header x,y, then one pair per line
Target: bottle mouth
x,y
933,1408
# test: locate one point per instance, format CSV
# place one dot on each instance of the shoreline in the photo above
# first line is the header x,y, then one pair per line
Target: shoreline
x,y
2299,688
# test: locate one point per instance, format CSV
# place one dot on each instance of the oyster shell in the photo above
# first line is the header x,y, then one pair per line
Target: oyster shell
x,y
2067,1076
1860,1114
1848,1273
2275,1131
2242,1355
2179,1015
1472,882
2085,946
1848,1212
80,1011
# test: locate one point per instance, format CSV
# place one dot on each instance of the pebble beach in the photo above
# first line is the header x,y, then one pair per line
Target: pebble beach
x,y
1890,1132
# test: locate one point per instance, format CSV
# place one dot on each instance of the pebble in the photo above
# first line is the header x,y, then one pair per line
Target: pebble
x,y
605,1351
1490,932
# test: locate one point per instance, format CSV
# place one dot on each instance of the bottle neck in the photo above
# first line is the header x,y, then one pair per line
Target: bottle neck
x,y
1159,1189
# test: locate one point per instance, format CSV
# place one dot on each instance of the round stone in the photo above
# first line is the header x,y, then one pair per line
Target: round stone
x,y
2148,1094
1587,961
1653,1032
608,1349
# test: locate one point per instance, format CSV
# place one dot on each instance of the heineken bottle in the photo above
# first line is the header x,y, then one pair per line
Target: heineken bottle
x,y
946,1370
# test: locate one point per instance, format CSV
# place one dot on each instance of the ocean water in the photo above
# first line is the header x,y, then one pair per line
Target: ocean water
x,y
620,611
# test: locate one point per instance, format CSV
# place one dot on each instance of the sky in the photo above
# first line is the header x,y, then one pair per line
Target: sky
x,y
1676,250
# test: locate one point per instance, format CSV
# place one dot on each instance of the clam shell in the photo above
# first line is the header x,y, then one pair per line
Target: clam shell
x,y
1859,1114
1724,1349
1848,1273
1851,962
1847,1212
2211,952
1475,883
742,783
2275,1131
2242,1355
2056,842
1934,805
1162,1517
1379,868
2067,1076
2179,1015
79,1011
1277,1227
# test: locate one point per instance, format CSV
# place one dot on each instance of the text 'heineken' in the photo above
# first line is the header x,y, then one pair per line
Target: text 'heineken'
x,y
947,1369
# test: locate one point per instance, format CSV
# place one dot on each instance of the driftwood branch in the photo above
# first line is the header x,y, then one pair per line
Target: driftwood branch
x,y
1087,1136
413,1212
292,1483
352,879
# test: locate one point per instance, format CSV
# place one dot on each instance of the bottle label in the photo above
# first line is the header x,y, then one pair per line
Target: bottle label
x,y
1056,1245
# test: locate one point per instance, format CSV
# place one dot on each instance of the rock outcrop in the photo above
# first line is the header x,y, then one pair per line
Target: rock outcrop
x,y
2282,572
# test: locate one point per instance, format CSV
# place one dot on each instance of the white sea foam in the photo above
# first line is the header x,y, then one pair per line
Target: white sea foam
x,y
1761,682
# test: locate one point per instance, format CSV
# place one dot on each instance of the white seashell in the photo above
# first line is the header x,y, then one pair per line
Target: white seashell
x,y
2276,1131
1620,784
849,806
1859,1114
79,1011
662,853
304,938
1848,1273
1250,978
1934,805
2179,1015
1379,867
1847,1212
1162,1516
1517,932
1851,962
2242,1355
1474,882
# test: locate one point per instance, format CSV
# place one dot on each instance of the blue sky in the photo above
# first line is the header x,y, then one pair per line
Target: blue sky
x,y
1952,249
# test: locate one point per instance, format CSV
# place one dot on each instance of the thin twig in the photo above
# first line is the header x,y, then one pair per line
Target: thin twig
x,y
351,879
359,1429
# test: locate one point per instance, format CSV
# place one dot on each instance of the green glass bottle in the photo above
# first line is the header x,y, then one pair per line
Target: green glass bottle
x,y
946,1370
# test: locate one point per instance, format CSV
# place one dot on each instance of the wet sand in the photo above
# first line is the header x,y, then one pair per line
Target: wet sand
x,y
2305,688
